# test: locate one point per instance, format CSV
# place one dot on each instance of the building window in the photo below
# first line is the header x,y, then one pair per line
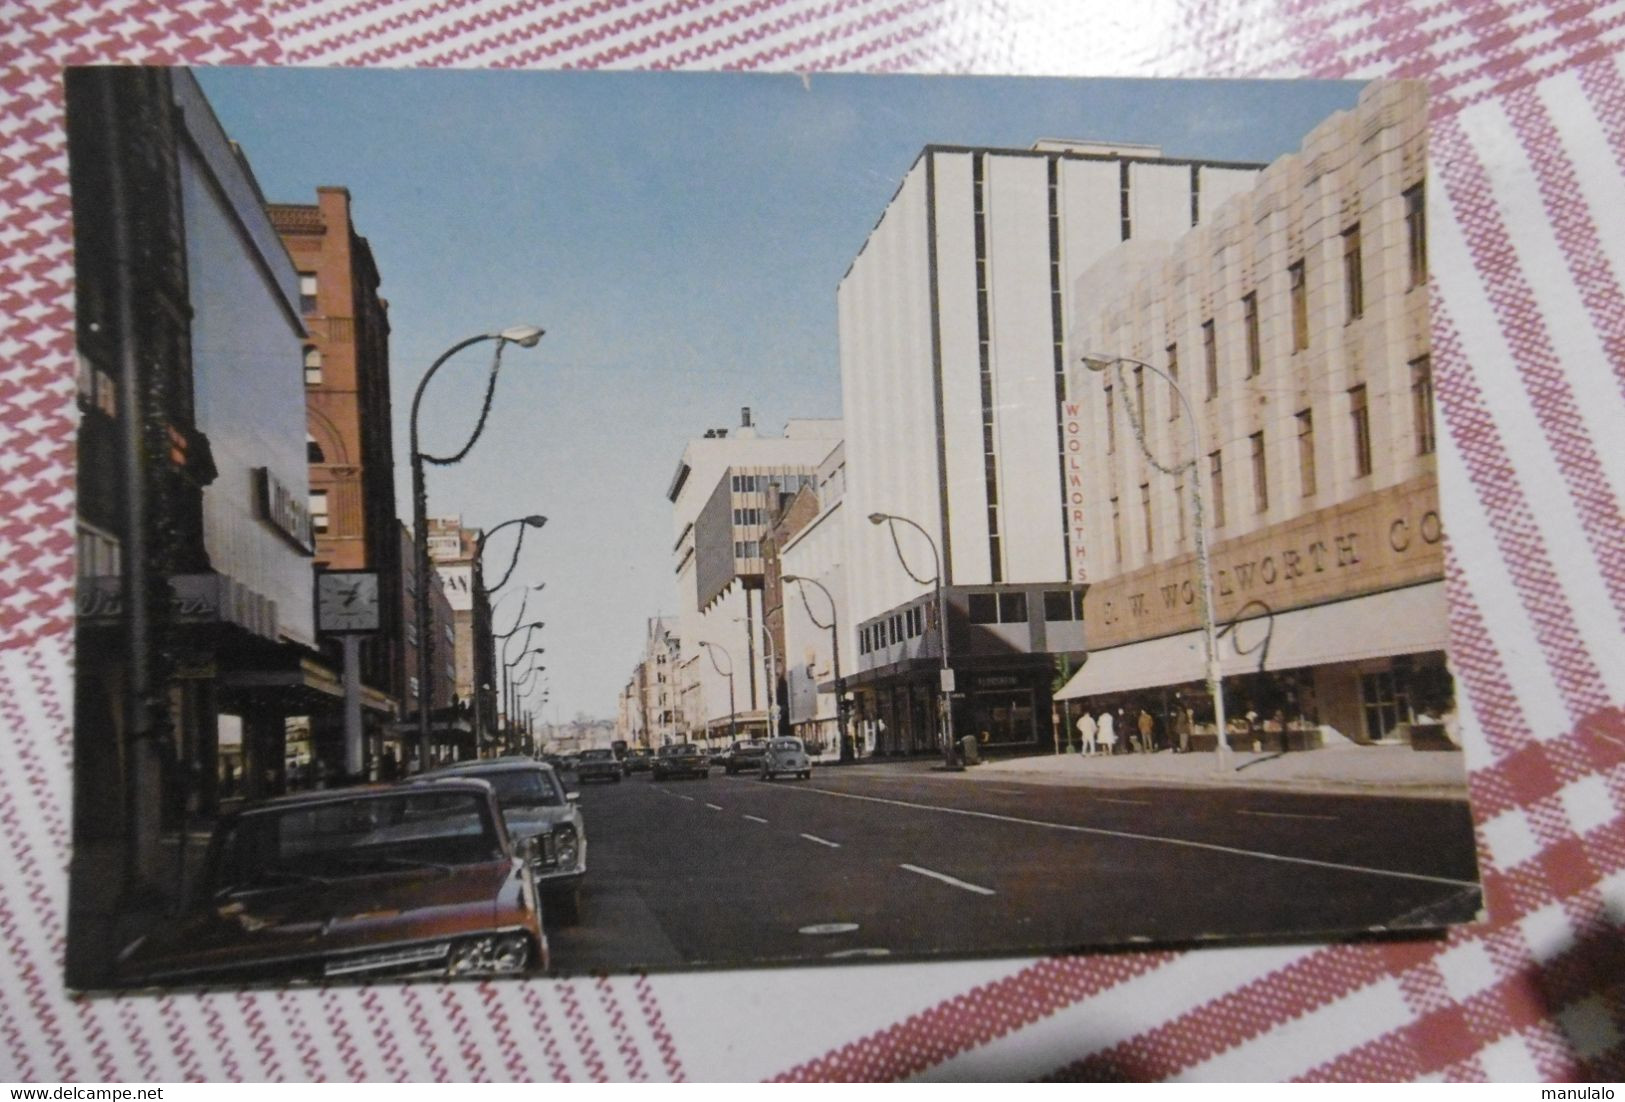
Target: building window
x,y
1422,405
412,684
1111,420
747,549
99,553
1145,513
1179,502
1139,395
1353,276
1416,240
990,463
1173,373
982,608
1063,605
1124,200
318,511
1117,531
1012,608
307,292
1261,485
1210,357
96,388
1215,471
1306,451
313,450
313,365
1360,422
1298,280
1249,319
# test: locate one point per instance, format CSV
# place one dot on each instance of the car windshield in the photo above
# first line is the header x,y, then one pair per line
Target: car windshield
x,y
343,839
598,755
784,744
524,788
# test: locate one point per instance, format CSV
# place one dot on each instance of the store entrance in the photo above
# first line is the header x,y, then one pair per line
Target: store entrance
x,y
1002,718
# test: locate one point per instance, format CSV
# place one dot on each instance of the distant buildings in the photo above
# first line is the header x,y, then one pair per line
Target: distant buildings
x,y
454,551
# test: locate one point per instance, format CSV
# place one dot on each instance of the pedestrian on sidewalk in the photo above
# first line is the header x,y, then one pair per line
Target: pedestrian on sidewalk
x,y
1182,729
1106,729
1086,734
1147,726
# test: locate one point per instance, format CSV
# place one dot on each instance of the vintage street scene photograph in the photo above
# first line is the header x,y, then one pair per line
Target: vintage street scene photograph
x,y
579,523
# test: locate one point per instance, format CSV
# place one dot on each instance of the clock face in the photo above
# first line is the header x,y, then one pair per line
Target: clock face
x,y
347,601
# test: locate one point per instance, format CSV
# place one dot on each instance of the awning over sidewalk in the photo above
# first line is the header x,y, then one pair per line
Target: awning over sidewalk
x,y
1400,621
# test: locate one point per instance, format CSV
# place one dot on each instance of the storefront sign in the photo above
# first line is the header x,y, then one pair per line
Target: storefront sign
x,y
1378,541
1072,472
193,599
283,510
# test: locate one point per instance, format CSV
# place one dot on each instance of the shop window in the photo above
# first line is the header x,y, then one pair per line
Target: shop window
x,y
1012,608
1386,703
983,608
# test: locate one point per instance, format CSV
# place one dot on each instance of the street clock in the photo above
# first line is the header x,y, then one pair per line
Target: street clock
x,y
347,602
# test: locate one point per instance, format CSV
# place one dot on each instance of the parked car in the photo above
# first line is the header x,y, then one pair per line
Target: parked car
x,y
681,759
544,819
378,883
568,763
717,755
744,754
638,761
599,765
785,756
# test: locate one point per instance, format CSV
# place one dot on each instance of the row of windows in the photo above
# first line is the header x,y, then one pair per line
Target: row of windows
x,y
747,549
1359,413
990,461
1298,283
761,483
907,624
750,516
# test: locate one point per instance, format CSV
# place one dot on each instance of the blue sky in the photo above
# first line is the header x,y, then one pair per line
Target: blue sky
x,y
680,237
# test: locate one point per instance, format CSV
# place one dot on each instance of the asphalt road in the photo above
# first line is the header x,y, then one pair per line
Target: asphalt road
x,y
900,861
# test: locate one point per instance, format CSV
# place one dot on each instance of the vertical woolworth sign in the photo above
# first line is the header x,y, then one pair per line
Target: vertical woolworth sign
x,y
1072,484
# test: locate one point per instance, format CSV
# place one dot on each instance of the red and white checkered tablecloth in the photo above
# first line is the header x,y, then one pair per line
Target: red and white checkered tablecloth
x,y
1528,255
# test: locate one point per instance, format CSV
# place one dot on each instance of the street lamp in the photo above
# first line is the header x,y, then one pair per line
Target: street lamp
x,y
847,752
950,752
711,649
533,521
1215,685
525,336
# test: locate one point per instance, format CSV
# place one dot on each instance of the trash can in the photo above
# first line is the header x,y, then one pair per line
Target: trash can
x,y
969,752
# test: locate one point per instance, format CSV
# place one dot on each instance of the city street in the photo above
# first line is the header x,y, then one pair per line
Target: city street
x,y
902,861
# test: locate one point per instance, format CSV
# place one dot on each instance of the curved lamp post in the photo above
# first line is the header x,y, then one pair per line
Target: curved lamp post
x,y
1215,683
950,751
847,751
533,521
711,649
525,336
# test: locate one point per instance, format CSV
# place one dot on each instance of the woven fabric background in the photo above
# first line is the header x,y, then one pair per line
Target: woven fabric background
x,y
1528,253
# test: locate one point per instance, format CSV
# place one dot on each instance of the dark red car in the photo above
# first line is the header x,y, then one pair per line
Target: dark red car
x,y
413,880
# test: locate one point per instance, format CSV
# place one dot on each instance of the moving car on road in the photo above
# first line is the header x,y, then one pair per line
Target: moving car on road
x,y
638,760
543,819
681,759
744,754
599,765
785,756
377,883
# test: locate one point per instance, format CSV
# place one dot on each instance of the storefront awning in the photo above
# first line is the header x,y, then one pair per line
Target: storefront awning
x,y
1400,621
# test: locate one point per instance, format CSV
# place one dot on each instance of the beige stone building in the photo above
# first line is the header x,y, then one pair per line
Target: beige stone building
x,y
1295,322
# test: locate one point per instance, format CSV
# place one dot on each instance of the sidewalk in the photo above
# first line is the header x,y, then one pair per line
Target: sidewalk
x,y
1371,770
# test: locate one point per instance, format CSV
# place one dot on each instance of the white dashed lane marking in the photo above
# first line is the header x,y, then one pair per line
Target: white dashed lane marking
x,y
822,841
714,807
946,879
755,819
